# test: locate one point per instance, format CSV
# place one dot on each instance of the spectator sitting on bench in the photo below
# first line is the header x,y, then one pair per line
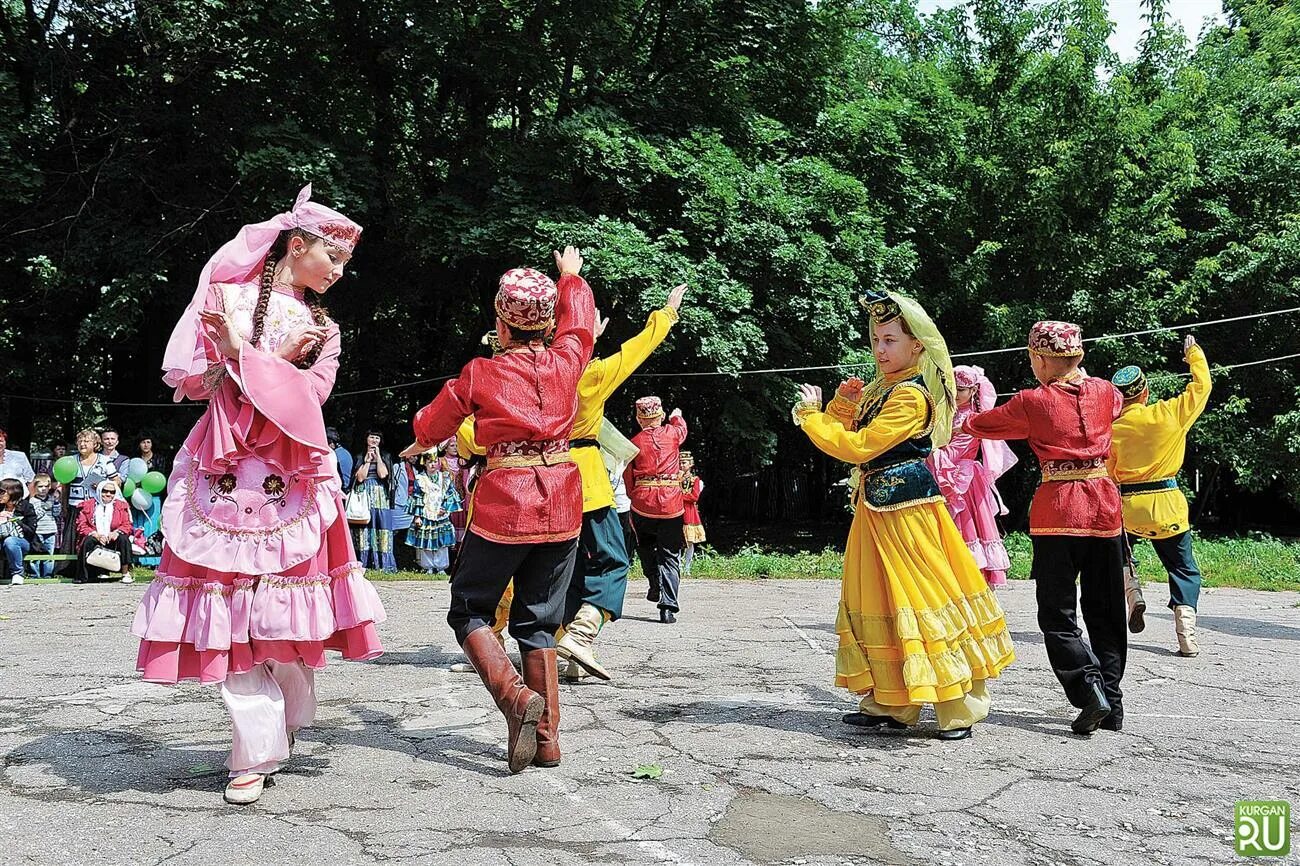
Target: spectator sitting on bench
x,y
103,522
17,527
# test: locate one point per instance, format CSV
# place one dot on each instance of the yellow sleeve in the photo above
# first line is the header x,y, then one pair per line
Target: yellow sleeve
x,y
903,416
842,409
1189,405
466,444
614,370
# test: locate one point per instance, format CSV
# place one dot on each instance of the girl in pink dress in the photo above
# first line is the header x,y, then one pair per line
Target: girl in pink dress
x,y
258,575
967,469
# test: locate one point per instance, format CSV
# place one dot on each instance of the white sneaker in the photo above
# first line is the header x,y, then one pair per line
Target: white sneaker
x,y
16,580
126,578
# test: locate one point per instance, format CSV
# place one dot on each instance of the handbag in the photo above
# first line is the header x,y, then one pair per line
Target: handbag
x,y
357,507
102,557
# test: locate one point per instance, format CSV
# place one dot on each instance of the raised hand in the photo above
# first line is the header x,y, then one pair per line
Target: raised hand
x,y
851,389
568,262
222,331
413,449
601,324
810,394
675,297
1188,342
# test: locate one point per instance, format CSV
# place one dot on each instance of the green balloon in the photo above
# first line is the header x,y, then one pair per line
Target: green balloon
x,y
128,487
154,482
65,469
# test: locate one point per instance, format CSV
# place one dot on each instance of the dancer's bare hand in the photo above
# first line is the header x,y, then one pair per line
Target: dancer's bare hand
x,y
601,324
677,413
810,394
301,341
675,297
1188,342
222,331
413,449
851,389
568,262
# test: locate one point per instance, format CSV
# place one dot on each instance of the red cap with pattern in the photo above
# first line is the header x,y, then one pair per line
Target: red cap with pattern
x,y
1056,340
526,299
649,407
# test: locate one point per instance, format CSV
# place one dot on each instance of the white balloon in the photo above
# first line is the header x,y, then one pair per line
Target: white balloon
x,y
142,499
136,469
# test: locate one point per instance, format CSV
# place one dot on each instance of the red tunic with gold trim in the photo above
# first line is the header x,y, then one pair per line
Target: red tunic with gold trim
x,y
1068,426
654,477
523,402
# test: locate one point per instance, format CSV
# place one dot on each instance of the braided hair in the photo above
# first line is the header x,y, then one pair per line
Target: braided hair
x,y
319,314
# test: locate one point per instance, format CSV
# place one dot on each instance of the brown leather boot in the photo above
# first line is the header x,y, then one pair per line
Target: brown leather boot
x,y
540,675
521,706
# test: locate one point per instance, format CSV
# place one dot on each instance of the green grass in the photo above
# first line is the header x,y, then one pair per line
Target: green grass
x,y
1253,562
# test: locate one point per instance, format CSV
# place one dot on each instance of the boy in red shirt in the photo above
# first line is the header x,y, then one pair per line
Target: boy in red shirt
x,y
527,506
654,484
1075,522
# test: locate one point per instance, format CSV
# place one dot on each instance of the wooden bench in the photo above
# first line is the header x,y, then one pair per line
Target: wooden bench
x,y
49,557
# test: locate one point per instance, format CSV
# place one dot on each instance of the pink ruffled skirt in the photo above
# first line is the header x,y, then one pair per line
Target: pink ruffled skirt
x,y
197,623
974,507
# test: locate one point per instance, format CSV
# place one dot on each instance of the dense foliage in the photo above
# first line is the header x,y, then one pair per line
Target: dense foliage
x,y
996,160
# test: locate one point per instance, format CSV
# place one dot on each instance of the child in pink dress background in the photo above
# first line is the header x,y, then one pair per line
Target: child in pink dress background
x,y
967,470
258,576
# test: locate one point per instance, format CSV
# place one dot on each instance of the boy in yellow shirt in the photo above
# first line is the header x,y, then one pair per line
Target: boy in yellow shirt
x,y
1150,442
600,573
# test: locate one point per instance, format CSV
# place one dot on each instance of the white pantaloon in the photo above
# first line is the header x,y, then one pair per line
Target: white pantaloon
x,y
266,704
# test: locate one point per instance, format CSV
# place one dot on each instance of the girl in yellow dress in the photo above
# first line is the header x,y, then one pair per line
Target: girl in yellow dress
x,y
917,622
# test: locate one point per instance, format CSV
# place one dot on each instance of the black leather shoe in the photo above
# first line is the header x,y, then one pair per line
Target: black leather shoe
x,y
1093,712
666,616
1113,722
866,720
955,734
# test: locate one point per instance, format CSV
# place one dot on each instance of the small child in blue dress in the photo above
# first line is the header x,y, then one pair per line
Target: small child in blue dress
x,y
433,501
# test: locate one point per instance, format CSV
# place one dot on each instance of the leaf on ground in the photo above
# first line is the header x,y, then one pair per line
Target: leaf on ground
x,y
200,769
648,771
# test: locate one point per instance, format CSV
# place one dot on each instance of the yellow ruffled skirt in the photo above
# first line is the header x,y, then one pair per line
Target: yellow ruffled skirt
x,y
917,622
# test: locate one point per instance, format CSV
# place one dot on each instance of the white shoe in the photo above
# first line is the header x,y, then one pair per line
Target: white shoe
x,y
245,789
126,578
16,580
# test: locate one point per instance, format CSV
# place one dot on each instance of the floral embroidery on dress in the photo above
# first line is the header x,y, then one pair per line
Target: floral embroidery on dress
x,y
273,485
284,314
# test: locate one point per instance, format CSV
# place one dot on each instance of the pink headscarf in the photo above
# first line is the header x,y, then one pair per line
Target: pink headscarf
x,y
998,457
240,260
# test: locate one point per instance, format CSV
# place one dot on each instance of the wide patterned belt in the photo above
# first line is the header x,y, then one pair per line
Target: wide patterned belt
x,y
872,468
657,481
1074,470
1137,487
534,452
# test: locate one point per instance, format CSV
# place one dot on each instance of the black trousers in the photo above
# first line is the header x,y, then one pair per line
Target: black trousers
x,y
1098,565
88,572
541,573
659,543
